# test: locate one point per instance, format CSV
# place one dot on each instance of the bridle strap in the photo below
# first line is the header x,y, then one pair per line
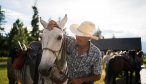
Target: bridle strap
x,y
63,73
53,51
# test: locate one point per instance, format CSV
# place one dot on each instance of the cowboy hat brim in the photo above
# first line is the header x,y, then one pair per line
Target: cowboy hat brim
x,y
74,29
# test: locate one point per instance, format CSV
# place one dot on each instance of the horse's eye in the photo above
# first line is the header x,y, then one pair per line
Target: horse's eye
x,y
59,37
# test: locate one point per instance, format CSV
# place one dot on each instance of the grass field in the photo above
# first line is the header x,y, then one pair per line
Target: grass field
x,y
4,79
145,61
3,70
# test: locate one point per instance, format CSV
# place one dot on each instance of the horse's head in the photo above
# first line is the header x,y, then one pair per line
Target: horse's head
x,y
52,38
139,57
132,53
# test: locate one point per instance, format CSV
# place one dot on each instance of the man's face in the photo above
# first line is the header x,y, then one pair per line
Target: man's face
x,y
81,40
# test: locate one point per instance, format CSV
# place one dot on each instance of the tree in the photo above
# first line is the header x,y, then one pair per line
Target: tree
x,y
113,36
18,33
4,46
98,33
35,27
2,18
2,37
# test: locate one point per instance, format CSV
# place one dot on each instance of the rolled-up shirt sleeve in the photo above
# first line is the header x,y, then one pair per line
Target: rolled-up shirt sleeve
x,y
97,65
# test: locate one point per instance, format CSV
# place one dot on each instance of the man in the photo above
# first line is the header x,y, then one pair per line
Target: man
x,y
83,57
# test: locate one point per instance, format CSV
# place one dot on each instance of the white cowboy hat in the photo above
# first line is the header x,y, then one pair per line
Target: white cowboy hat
x,y
86,29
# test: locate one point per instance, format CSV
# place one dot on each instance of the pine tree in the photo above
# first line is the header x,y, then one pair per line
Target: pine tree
x,y
2,37
34,24
18,33
2,19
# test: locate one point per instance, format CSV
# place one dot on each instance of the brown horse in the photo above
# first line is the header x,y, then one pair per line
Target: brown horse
x,y
19,59
16,61
118,64
138,63
23,64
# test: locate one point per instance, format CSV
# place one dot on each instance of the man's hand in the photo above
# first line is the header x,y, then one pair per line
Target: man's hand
x,y
51,24
81,80
76,81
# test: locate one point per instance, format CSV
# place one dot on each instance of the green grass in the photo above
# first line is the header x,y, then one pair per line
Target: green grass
x,y
3,70
4,79
144,61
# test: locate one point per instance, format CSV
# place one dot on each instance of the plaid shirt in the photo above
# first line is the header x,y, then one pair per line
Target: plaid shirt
x,y
88,64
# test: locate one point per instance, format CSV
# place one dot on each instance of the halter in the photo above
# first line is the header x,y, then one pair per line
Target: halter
x,y
59,64
53,51
65,71
62,73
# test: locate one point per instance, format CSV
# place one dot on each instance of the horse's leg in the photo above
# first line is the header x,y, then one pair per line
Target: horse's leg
x,y
126,76
28,79
40,80
114,79
131,74
108,75
137,75
37,75
108,79
10,72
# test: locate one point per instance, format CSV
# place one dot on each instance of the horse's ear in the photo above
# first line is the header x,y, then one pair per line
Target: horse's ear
x,y
43,23
49,19
63,22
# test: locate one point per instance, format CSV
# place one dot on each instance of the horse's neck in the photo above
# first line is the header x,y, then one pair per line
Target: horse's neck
x,y
61,63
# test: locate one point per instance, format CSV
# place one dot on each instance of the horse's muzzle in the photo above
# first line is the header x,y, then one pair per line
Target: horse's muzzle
x,y
45,72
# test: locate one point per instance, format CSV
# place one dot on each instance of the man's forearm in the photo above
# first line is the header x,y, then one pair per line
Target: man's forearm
x,y
85,79
90,78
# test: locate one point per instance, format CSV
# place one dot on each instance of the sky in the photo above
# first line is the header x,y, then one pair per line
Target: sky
x,y
121,18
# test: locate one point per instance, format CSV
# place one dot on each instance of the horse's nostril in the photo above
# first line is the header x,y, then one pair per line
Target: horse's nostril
x,y
45,72
49,70
59,37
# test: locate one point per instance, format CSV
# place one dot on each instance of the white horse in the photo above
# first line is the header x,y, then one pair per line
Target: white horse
x,y
53,65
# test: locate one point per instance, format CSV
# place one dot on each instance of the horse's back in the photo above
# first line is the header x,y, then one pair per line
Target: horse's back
x,y
116,64
34,57
31,63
